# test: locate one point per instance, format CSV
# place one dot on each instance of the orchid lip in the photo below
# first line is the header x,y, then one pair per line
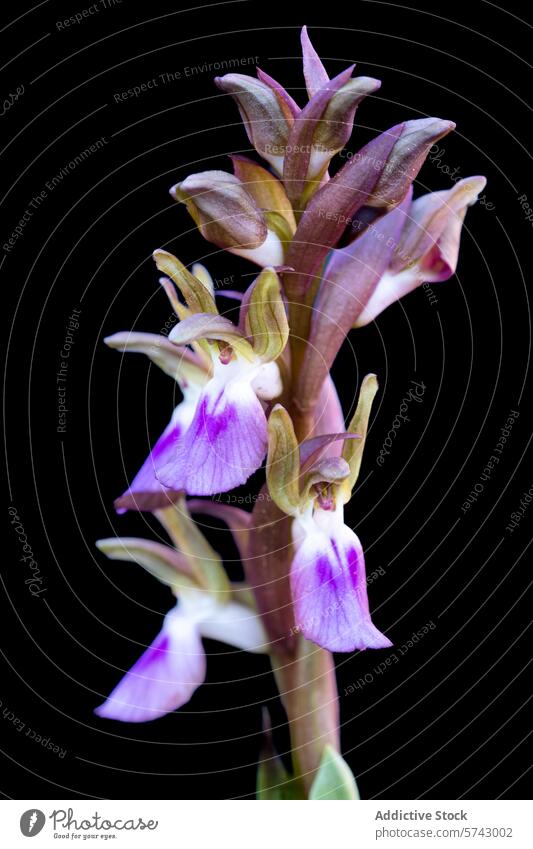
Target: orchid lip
x,y
226,441
328,582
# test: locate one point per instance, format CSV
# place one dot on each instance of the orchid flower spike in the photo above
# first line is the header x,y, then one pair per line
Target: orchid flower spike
x,y
328,580
174,665
227,438
227,215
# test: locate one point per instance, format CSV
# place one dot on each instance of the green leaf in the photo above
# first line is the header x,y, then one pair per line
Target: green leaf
x,y
274,782
334,779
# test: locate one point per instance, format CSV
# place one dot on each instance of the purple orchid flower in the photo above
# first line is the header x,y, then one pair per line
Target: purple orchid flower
x,y
217,436
328,583
428,248
327,576
170,670
174,665
226,441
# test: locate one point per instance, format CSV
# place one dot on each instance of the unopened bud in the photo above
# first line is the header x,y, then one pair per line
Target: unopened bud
x,y
227,215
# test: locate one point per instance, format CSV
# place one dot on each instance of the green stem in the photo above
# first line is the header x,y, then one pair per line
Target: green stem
x,y
308,690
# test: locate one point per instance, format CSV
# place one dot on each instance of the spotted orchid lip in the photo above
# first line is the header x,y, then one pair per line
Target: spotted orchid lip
x,y
227,439
328,582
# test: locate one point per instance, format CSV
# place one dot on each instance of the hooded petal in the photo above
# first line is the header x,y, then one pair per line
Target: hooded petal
x,y
227,440
224,211
146,491
165,676
328,583
432,230
390,289
428,249
267,116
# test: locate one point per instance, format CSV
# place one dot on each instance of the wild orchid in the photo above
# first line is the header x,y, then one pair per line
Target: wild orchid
x,y
331,252
170,670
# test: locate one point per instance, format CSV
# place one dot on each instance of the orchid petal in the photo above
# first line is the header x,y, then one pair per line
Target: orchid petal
x,y
322,130
432,230
211,327
266,115
390,289
283,461
202,274
428,248
205,563
328,585
165,676
315,450
267,191
299,144
146,491
267,383
227,440
169,566
270,252
180,363
197,296
236,625
265,317
353,451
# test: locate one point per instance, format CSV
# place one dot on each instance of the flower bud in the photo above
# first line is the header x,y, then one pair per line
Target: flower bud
x,y
227,215
320,131
335,126
266,116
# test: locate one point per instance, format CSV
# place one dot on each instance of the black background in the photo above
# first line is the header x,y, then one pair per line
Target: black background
x,y
447,721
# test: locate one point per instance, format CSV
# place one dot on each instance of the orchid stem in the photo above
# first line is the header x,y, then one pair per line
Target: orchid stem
x,y
308,691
